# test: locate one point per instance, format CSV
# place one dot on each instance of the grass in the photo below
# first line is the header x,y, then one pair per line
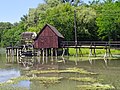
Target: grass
x,y
99,52
86,51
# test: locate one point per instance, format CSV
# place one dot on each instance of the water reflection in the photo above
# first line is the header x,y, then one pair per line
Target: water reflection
x,y
108,70
6,74
25,83
29,62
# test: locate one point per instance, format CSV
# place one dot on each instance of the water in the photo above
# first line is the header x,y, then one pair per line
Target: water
x,y
108,72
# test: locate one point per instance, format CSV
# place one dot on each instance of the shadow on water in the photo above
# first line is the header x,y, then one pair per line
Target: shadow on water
x,y
108,71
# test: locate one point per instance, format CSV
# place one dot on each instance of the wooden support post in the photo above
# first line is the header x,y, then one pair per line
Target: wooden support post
x,y
43,54
67,51
110,54
20,52
63,60
76,52
105,55
46,53
90,53
12,55
56,52
63,52
38,53
17,54
51,52
80,52
52,56
94,51
9,52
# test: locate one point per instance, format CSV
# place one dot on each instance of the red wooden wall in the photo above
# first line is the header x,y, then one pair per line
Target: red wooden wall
x,y
46,39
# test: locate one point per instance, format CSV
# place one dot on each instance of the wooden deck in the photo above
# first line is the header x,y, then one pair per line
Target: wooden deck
x,y
92,45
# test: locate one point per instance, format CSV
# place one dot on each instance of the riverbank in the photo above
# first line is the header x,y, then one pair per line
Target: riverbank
x,y
86,51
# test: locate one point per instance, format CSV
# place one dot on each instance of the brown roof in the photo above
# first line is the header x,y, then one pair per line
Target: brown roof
x,y
53,29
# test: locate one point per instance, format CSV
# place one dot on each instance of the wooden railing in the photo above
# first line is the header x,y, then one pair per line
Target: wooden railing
x,y
90,43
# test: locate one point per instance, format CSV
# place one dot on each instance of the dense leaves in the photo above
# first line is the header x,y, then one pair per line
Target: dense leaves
x,y
94,21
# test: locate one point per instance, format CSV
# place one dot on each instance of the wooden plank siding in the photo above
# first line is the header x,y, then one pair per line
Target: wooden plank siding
x,y
48,38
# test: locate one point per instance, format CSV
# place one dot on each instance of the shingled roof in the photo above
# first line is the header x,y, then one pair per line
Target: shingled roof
x,y
53,29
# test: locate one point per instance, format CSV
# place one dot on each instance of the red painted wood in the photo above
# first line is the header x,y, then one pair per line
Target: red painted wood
x,y
47,39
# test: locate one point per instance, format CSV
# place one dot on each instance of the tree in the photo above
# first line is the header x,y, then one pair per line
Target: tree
x,y
108,21
86,25
61,17
4,26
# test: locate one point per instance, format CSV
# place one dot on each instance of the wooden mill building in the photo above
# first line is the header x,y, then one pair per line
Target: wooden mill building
x,y
28,37
48,39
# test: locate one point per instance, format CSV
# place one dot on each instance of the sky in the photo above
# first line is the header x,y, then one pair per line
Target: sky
x,y
13,10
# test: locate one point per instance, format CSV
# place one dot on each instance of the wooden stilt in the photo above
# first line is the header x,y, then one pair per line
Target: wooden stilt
x,y
80,52
110,54
43,54
38,53
76,52
17,54
67,51
51,52
56,52
90,54
52,56
46,53
63,60
12,55
63,52
105,55
94,52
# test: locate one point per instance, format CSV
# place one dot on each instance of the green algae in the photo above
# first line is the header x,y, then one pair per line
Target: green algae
x,y
13,88
96,86
83,79
45,80
67,70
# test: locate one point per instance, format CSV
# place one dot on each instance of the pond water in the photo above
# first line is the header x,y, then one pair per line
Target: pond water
x,y
107,72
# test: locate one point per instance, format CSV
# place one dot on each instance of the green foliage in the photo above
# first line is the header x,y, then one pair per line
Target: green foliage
x,y
11,36
96,21
108,21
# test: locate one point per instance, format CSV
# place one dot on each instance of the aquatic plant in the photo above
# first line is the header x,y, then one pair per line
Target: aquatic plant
x,y
85,79
67,70
45,80
96,86
13,88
